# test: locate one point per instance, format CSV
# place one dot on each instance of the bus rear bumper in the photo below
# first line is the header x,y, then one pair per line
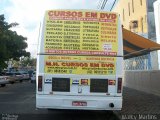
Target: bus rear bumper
x,y
66,102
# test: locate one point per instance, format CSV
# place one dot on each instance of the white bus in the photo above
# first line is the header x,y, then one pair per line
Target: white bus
x,y
80,61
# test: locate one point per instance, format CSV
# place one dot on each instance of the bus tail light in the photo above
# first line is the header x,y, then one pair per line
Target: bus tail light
x,y
40,83
84,81
111,82
119,86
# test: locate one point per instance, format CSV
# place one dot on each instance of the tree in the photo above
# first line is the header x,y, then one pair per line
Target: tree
x,y
27,61
24,62
12,45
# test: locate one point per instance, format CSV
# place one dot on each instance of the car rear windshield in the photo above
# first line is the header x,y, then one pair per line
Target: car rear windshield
x,y
9,74
18,73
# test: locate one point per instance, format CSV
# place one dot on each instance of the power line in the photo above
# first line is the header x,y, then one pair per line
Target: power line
x,y
113,5
102,4
33,43
99,4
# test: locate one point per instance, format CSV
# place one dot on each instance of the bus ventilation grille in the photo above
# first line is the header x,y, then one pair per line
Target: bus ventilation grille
x,y
99,85
61,84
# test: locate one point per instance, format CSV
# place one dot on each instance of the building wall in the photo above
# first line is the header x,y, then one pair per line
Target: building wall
x,y
151,20
157,19
147,81
130,11
138,16
157,24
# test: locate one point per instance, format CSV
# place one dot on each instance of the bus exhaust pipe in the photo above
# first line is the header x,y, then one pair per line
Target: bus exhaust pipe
x,y
111,105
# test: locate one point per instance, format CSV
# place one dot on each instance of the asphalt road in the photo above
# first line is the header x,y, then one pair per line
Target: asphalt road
x,y
17,102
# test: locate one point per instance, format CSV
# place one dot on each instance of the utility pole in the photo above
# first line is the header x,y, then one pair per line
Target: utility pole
x,y
157,25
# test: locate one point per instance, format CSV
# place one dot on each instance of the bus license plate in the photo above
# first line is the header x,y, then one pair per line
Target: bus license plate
x,y
79,103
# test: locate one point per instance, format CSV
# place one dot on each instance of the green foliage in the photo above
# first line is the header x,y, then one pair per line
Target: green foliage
x,y
12,45
27,61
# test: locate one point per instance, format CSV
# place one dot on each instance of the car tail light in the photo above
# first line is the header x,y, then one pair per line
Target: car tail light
x,y
119,86
40,83
111,82
84,81
6,78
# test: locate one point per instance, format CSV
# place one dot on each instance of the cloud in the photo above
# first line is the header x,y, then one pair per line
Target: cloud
x,y
29,14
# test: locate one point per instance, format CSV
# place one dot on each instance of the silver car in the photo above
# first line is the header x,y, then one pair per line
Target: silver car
x,y
3,81
11,77
19,76
25,75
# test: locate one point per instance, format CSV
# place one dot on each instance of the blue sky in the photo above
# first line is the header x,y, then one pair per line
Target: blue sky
x,y
28,13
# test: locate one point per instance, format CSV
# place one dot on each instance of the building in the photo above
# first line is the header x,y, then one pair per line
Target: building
x,y
157,24
138,17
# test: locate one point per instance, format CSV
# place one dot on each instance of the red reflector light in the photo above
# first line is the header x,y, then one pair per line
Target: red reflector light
x,y
84,81
119,86
39,83
111,82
